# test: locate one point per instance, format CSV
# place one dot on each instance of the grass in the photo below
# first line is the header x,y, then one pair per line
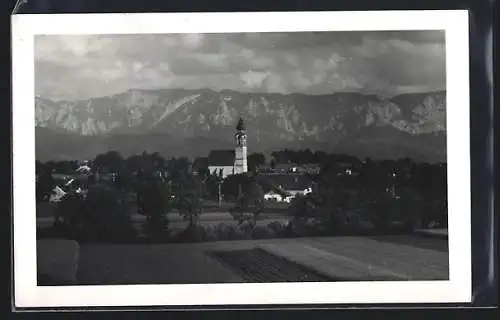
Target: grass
x,y
353,258
418,241
150,264
225,206
57,261
45,209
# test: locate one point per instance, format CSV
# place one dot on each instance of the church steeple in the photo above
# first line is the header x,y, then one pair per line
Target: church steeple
x,y
241,125
240,162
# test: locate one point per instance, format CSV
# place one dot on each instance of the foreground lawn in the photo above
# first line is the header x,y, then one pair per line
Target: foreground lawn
x,y
344,258
45,209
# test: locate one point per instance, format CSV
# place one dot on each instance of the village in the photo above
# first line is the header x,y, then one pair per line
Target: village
x,y
281,182
230,195
221,176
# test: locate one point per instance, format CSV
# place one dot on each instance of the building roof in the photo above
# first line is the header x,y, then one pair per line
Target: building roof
x,y
287,182
221,158
285,166
310,165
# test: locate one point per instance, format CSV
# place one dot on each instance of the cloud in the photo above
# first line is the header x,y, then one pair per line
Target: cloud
x,y
254,79
193,41
82,66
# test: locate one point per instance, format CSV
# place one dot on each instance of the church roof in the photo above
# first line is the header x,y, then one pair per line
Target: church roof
x,y
221,158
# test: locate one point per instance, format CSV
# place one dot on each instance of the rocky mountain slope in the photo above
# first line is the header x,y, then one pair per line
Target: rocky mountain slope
x,y
191,122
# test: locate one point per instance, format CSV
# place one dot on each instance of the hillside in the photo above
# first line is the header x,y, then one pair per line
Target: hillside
x,y
191,122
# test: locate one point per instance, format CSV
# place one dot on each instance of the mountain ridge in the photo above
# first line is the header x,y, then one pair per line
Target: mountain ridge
x,y
175,120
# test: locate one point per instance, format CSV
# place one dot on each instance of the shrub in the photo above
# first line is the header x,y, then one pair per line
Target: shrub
x,y
226,231
304,227
260,232
241,217
277,227
246,226
193,233
210,234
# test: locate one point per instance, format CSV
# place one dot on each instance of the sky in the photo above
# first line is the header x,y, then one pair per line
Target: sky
x,y
78,67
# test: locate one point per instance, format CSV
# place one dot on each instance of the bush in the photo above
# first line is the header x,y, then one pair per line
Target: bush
x,y
226,231
246,226
193,233
210,234
278,228
260,232
304,227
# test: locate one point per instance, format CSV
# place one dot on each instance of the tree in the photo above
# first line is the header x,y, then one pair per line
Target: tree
x,y
135,163
282,156
232,184
320,157
250,202
302,207
154,203
110,161
101,216
69,215
304,157
106,215
255,160
45,184
178,167
190,199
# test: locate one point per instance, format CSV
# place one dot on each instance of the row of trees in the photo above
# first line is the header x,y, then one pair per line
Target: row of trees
x,y
356,203
340,203
103,216
112,161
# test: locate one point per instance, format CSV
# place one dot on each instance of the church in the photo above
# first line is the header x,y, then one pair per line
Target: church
x,y
228,162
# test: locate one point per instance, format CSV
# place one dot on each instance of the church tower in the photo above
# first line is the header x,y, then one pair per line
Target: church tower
x,y
240,160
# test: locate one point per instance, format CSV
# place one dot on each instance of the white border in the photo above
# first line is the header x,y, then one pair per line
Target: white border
x,y
457,289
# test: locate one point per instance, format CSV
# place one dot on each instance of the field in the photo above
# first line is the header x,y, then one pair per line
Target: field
x,y
337,258
395,257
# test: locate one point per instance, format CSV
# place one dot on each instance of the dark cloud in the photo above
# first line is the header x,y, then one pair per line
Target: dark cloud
x,y
316,62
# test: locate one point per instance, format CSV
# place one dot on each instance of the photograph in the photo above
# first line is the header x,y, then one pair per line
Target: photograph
x,y
241,158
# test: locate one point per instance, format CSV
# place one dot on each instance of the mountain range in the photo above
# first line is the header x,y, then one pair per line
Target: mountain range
x,y
178,122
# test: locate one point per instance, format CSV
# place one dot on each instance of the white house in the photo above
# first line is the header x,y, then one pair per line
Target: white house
x,y
57,195
273,196
287,186
83,169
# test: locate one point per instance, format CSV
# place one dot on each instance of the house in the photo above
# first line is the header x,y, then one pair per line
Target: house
x,y
285,187
274,196
285,168
84,169
280,168
310,168
57,195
